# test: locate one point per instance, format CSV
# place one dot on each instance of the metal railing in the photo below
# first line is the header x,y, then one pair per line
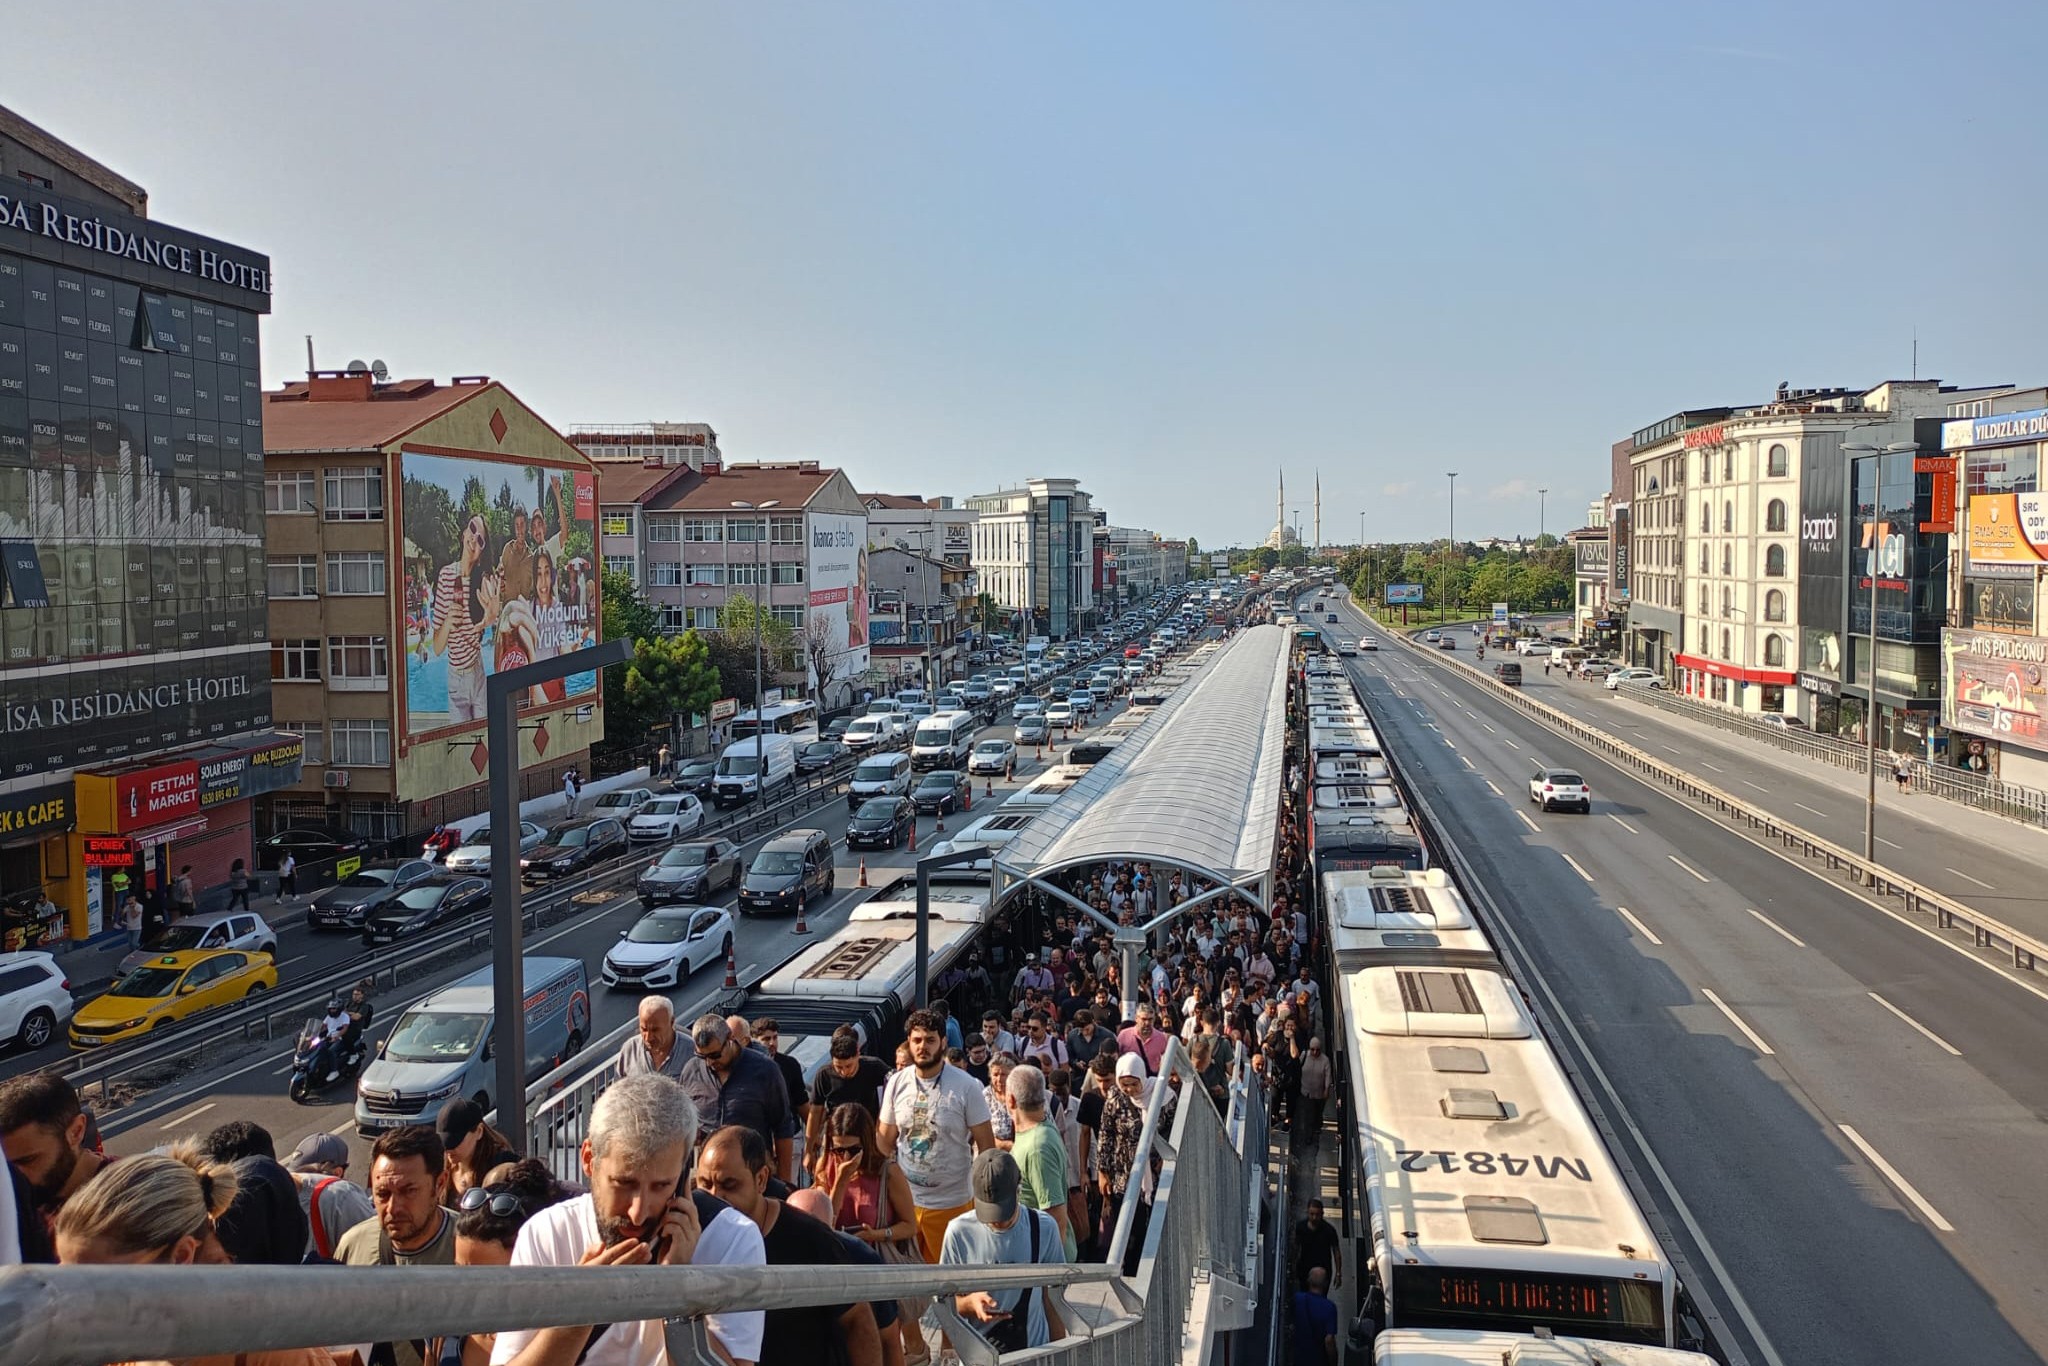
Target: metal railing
x,y
1189,1286
1987,933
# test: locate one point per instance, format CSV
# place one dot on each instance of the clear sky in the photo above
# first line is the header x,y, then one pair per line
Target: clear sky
x,y
1164,247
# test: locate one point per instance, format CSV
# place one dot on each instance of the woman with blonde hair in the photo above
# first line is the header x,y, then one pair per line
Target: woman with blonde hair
x,y
160,1208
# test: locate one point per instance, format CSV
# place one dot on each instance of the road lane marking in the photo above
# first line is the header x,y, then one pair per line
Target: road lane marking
x,y
1533,827
1468,763
1644,930
1776,926
1509,743
1496,791
1758,786
1738,1022
1674,749
1903,1186
1943,1044
1889,844
343,1129
300,959
1688,867
1623,824
188,1116
1978,880
1449,741
1715,767
1489,729
1804,807
1576,868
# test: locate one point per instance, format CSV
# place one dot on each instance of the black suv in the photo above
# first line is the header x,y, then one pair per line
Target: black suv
x,y
788,873
574,847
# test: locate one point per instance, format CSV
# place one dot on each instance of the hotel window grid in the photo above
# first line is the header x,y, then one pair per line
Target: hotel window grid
x,y
1774,605
1704,553
704,529
744,575
664,530
621,564
289,491
359,663
293,576
665,573
355,573
295,661
363,742
618,523
355,493
786,531
1779,462
1705,601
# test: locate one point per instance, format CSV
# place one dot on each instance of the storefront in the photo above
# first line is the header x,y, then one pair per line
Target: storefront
x,y
140,824
1714,680
34,866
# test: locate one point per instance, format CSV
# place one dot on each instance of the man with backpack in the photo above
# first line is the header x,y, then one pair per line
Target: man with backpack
x,y
333,1204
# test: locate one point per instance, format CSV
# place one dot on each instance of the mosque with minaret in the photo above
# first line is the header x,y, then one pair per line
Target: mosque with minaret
x,y
1283,535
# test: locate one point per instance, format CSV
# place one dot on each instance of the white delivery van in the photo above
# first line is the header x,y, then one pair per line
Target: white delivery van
x,y
943,741
753,766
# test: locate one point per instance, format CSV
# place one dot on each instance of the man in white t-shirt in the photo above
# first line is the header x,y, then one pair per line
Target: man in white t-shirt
x,y
642,1133
934,1119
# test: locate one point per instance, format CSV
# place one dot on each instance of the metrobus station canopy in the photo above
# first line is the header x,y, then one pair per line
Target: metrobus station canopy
x,y
1197,787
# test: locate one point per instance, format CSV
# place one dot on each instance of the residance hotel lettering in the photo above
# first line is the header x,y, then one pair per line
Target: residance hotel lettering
x,y
51,712
95,234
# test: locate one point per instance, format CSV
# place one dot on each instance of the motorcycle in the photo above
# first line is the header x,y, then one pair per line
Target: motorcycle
x,y
344,1061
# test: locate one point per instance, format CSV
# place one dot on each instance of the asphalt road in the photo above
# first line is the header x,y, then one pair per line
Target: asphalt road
x,y
252,1085
1837,1116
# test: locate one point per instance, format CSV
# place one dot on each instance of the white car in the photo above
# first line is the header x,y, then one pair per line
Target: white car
x,y
992,756
1060,716
1001,687
666,947
1027,706
865,733
666,818
1648,678
473,855
621,803
1082,701
35,998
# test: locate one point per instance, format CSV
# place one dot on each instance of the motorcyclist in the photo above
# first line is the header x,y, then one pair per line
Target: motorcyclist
x,y
360,1014
333,1029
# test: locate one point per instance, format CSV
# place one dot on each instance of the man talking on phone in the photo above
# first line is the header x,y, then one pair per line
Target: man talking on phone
x,y
640,1210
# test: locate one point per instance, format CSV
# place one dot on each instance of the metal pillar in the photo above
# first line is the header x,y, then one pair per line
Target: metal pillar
x,y
925,867
508,987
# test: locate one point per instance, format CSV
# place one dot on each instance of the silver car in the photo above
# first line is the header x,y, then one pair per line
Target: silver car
x,y
473,855
210,930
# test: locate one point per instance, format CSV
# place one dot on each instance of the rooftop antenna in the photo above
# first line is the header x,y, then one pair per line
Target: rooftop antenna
x,y
309,355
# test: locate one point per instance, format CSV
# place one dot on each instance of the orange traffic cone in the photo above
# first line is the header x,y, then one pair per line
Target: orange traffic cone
x,y
970,796
801,927
988,787
732,972
863,872
939,821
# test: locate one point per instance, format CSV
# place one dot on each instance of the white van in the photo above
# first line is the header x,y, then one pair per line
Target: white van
x,y
879,775
943,741
737,780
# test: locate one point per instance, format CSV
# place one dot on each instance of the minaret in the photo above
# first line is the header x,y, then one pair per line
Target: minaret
x,y
1280,515
1319,510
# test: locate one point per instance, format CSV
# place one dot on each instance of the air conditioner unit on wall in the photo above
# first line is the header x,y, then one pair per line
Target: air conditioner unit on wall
x,y
335,777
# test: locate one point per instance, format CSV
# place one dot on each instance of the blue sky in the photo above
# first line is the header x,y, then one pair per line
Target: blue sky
x,y
1166,248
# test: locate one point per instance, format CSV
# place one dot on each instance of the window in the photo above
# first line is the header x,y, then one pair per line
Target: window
x,y
622,564
1774,651
377,820
705,574
1703,557
618,522
2013,469
1727,641
1774,515
665,530
1779,462
704,618
703,529
357,663
1774,605
665,573
1706,467
744,575
360,742
1727,560
294,576
288,491
315,741
674,620
1728,516
1999,604
1727,602
1706,515
1705,601
786,530
1728,463
295,661
355,572
786,573
1774,562
788,616
748,529
355,494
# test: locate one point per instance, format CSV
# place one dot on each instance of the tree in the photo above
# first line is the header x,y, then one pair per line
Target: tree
x,y
625,616
670,675
987,611
816,641
733,646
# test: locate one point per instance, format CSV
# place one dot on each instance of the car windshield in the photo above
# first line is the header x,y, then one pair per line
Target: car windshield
x,y
663,927
148,982
430,1036
423,898
989,747
777,862
369,877
937,782
736,765
698,768
823,749
574,836
686,856
482,836
179,937
875,809
661,806
875,773
616,799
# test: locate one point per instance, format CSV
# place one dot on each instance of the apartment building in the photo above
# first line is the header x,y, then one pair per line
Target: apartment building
x,y
920,609
648,443
1658,457
922,526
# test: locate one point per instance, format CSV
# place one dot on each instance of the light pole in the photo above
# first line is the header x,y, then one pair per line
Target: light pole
x,y
1854,450
760,607
1443,591
1542,513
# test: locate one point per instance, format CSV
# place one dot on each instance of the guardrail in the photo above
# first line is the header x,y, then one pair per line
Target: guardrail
x,y
1986,932
262,1014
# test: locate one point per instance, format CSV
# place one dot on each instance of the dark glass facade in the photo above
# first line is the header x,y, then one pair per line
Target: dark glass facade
x,y
132,611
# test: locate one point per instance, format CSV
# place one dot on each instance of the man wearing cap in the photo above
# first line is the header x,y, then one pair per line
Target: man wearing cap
x,y
1033,976
997,1231
333,1204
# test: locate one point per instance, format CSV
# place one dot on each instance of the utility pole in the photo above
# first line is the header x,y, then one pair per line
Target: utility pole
x,y
1871,555
760,608
1542,513
1443,592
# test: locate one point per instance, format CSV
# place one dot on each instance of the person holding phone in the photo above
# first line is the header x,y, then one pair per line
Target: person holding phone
x,y
640,1210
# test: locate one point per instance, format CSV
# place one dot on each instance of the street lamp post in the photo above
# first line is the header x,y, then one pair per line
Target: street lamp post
x,y
1443,592
1542,513
1854,450
760,607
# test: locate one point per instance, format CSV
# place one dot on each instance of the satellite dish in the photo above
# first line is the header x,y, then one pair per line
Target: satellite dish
x,y
356,367
379,371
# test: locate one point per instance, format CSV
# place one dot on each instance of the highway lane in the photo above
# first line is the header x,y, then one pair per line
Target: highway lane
x,y
252,1085
1776,1155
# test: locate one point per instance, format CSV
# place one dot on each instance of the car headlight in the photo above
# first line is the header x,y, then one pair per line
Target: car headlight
x,y
136,1023
443,1092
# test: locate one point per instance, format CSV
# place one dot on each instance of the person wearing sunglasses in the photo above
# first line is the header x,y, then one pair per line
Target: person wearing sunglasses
x,y
870,1195
488,1218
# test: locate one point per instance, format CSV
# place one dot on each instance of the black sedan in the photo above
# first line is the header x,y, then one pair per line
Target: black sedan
x,y
941,792
368,889
881,823
574,847
696,777
310,844
427,905
689,871
819,754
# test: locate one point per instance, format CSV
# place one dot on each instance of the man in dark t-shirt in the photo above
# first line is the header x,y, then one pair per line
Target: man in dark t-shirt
x,y
847,1079
1315,1245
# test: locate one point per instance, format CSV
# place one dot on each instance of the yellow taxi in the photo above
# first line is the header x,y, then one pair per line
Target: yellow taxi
x,y
170,987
